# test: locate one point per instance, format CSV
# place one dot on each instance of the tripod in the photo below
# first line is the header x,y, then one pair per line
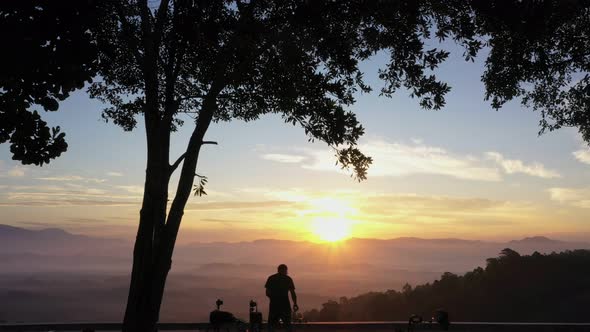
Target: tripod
x,y
255,317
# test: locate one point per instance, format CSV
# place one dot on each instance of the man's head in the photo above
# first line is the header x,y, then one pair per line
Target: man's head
x,y
282,269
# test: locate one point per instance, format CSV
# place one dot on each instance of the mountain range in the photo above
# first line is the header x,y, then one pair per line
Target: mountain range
x,y
50,274
57,249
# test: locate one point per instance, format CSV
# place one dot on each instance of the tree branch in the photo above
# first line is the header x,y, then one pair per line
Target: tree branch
x,y
570,60
174,166
201,96
125,25
146,18
160,19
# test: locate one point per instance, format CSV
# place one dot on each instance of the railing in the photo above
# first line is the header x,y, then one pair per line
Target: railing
x,y
317,326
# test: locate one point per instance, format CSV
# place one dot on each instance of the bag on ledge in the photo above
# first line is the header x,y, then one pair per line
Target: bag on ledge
x,y
218,317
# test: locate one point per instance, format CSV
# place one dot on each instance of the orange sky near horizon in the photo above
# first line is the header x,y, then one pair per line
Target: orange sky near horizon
x,y
297,214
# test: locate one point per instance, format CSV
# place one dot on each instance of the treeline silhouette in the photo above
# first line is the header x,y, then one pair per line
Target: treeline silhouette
x,y
533,288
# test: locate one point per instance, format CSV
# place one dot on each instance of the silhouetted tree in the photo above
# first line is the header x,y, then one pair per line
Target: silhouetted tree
x,y
407,288
330,311
236,60
538,51
512,287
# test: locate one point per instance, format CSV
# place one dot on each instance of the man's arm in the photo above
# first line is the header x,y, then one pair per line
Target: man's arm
x,y
293,295
267,286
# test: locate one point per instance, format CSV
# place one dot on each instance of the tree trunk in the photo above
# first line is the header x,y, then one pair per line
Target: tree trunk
x,y
156,236
152,260
165,249
142,310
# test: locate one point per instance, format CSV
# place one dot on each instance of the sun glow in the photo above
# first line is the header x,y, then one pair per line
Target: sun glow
x,y
331,219
332,229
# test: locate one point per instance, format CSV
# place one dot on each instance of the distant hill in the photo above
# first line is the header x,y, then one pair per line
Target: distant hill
x,y
536,239
11,233
49,240
347,257
455,255
54,249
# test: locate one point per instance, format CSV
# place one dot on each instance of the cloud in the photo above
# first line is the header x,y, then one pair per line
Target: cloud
x,y
230,205
62,178
398,208
284,158
132,189
398,159
117,174
401,159
56,197
66,178
65,195
228,221
394,159
61,203
578,197
428,209
582,155
512,166
375,211
17,172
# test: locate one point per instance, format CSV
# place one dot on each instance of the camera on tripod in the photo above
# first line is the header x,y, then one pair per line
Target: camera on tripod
x,y
255,315
218,318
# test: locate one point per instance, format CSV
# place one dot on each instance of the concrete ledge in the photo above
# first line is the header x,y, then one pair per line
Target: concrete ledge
x,y
318,326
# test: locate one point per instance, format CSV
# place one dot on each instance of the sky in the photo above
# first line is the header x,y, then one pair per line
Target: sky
x,y
466,171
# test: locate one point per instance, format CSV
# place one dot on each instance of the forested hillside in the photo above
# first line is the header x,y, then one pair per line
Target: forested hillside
x,y
513,287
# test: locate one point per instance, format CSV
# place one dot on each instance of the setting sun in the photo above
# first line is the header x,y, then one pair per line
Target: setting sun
x,y
332,229
330,218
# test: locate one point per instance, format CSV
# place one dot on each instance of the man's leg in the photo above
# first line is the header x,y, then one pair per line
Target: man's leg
x,y
272,320
286,317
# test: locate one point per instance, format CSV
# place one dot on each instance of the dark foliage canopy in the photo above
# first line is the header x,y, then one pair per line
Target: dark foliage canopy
x,y
508,289
295,58
47,54
539,52
299,59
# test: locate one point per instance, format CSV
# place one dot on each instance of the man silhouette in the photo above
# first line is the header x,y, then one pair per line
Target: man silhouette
x,y
278,286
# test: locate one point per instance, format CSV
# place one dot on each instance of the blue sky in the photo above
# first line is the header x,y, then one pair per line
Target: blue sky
x,y
465,171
